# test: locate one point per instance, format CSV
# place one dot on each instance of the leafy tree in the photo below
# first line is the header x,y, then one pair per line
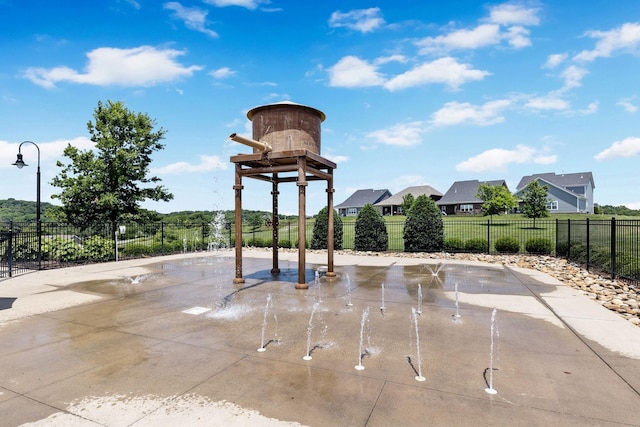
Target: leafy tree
x,y
370,230
407,202
534,201
423,228
321,230
107,184
255,219
497,199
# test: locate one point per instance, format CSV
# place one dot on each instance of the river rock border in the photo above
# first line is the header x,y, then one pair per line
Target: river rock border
x,y
616,295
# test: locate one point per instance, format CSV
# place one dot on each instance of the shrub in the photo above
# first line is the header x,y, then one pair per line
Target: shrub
x,y
98,248
476,245
538,246
61,250
370,230
321,230
284,243
509,245
423,228
453,244
259,243
135,250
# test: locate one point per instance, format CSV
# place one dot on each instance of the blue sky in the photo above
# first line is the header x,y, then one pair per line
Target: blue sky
x,y
414,92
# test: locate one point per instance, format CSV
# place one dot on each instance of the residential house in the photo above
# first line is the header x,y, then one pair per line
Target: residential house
x,y
393,204
354,204
567,192
461,197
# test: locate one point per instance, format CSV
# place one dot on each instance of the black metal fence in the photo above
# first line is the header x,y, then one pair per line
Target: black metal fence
x,y
607,245
611,246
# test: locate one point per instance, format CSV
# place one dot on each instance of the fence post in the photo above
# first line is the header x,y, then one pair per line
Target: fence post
x,y
10,249
613,248
588,245
162,237
557,237
488,237
568,239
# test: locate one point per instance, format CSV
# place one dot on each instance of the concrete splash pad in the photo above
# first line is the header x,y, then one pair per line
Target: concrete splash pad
x,y
176,343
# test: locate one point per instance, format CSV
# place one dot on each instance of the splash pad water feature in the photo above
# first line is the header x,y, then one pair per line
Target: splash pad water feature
x,y
212,352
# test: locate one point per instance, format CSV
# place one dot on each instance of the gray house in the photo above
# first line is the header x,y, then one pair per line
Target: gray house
x,y
567,192
393,205
354,204
461,197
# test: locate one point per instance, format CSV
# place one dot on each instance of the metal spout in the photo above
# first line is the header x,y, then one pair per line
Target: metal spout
x,y
258,145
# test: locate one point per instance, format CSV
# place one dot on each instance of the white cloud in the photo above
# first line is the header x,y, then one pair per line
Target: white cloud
x,y
363,20
392,58
555,60
454,113
193,17
402,135
248,4
497,159
628,147
591,108
627,105
140,66
222,73
633,205
573,77
50,151
517,37
623,38
352,71
513,14
481,36
446,70
336,158
547,103
207,163
506,22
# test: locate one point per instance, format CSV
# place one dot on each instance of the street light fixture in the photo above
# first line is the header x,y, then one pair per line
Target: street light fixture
x,y
20,164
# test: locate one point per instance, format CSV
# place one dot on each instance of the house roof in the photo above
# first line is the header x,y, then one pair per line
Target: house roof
x,y
562,181
396,199
362,197
465,191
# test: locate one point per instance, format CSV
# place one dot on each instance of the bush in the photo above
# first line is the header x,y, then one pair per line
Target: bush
x,y
538,245
476,245
284,244
61,250
509,245
454,244
135,250
259,243
321,230
423,228
370,230
98,248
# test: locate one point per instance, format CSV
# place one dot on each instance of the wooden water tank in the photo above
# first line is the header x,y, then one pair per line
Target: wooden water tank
x,y
287,126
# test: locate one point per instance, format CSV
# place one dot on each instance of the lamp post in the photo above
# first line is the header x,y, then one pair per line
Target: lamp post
x,y
20,164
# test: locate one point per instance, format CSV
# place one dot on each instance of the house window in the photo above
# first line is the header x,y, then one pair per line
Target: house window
x,y
552,205
466,208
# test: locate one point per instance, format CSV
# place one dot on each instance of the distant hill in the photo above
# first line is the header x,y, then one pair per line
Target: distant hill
x,y
21,210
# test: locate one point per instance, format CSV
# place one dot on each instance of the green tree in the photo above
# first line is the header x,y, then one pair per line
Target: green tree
x,y
108,183
370,230
497,199
423,228
321,230
407,202
255,219
534,201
